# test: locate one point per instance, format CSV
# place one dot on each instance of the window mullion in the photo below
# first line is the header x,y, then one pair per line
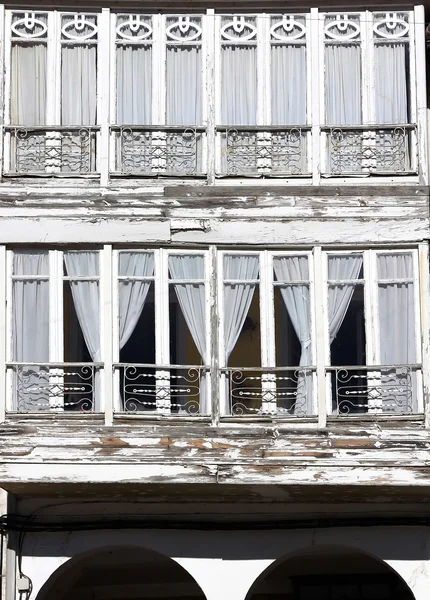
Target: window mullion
x,y
322,338
3,338
209,78
367,69
162,332
267,325
56,331
6,54
420,86
53,69
103,93
315,48
424,334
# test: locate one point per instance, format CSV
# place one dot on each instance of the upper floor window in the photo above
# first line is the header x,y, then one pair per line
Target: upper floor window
x,y
243,95
179,347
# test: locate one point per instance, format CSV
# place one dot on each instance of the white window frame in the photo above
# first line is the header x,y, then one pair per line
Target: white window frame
x,y
371,312
56,279
266,288
161,282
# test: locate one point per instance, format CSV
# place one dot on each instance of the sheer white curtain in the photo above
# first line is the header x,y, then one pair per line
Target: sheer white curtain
x,y
288,82
341,268
237,300
78,85
85,295
296,299
30,330
134,85
391,94
132,293
191,298
183,85
239,85
396,310
343,84
397,330
28,85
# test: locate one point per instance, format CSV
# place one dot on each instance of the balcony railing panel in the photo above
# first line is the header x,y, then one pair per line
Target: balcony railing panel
x,y
391,390
281,391
179,390
152,151
358,150
264,151
64,150
59,387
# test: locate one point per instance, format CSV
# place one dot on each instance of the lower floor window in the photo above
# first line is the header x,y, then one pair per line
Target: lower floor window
x,y
171,334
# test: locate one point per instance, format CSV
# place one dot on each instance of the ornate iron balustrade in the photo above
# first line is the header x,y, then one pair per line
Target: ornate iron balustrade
x,y
375,389
264,151
280,391
51,150
180,390
389,149
152,151
58,387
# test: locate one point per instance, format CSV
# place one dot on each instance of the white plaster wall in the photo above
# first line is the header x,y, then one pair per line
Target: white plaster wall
x,y
225,564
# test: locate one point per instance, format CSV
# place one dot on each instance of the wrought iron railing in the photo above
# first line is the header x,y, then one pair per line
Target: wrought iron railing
x,y
54,387
391,389
384,149
51,150
159,150
264,151
280,391
181,390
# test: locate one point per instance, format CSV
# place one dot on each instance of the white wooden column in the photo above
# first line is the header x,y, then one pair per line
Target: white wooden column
x,y
420,54
2,333
267,334
103,67
209,76
320,292
314,87
212,283
2,61
106,333
162,332
424,289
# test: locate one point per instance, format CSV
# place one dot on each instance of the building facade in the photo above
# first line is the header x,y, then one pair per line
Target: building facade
x,y
214,302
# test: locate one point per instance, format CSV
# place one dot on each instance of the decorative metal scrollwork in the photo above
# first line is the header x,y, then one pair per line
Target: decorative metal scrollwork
x,y
277,152
392,26
145,389
383,390
78,27
288,29
53,151
134,28
185,29
281,393
342,28
239,29
376,150
152,152
29,26
52,387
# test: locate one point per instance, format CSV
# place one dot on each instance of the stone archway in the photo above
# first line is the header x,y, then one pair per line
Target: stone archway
x,y
329,573
121,573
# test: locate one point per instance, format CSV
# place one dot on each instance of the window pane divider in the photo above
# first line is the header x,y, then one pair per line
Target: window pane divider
x,y
321,335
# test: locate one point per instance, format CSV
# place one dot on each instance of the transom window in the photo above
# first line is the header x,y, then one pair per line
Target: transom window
x,y
213,95
190,338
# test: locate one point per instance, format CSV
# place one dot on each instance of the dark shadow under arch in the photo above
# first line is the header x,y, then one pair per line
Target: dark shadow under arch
x,y
329,573
121,573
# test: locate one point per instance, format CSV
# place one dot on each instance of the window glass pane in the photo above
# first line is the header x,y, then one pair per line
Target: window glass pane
x,y
30,263
82,264
28,85
395,266
136,264
391,95
187,266
288,79
343,84
291,268
78,85
134,84
183,85
239,85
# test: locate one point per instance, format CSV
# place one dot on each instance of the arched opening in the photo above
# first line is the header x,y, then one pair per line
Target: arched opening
x,y
121,573
330,573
